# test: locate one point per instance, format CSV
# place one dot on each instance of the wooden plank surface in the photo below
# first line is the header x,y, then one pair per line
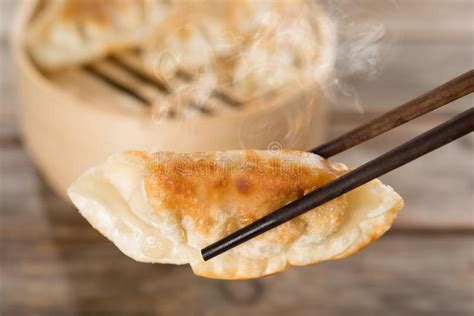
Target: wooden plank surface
x,y
438,188
53,263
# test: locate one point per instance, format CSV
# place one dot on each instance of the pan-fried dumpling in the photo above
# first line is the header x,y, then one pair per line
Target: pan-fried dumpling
x,y
165,207
68,32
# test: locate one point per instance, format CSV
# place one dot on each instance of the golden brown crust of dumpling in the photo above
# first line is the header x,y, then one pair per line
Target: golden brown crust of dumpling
x,y
244,189
165,207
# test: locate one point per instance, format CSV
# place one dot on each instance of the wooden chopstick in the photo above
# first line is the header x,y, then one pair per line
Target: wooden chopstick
x,y
411,150
439,96
418,146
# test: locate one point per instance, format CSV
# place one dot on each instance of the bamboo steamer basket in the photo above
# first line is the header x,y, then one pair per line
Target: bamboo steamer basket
x,y
71,121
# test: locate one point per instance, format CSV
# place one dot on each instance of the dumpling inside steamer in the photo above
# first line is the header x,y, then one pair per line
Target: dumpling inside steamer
x,y
165,207
69,32
183,42
255,48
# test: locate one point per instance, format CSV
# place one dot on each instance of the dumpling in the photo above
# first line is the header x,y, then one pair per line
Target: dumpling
x,y
293,46
164,207
68,32
254,48
181,42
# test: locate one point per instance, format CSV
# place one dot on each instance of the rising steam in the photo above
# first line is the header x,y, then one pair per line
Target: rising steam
x,y
365,44
276,51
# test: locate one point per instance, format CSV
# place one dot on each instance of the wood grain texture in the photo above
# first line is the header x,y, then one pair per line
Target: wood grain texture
x,y
53,263
437,189
448,92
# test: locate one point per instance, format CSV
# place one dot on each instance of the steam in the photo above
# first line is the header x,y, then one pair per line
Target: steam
x,y
365,45
360,48
275,52
363,49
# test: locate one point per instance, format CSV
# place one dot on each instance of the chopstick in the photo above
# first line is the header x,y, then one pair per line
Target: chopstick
x,y
445,133
431,100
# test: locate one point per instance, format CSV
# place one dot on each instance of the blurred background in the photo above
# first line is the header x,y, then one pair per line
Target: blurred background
x,y
53,263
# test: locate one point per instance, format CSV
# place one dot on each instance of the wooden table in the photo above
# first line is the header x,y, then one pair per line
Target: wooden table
x,y
53,263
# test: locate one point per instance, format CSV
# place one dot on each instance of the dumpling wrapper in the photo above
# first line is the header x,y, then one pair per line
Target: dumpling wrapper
x,y
293,44
164,207
69,32
253,47
182,41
